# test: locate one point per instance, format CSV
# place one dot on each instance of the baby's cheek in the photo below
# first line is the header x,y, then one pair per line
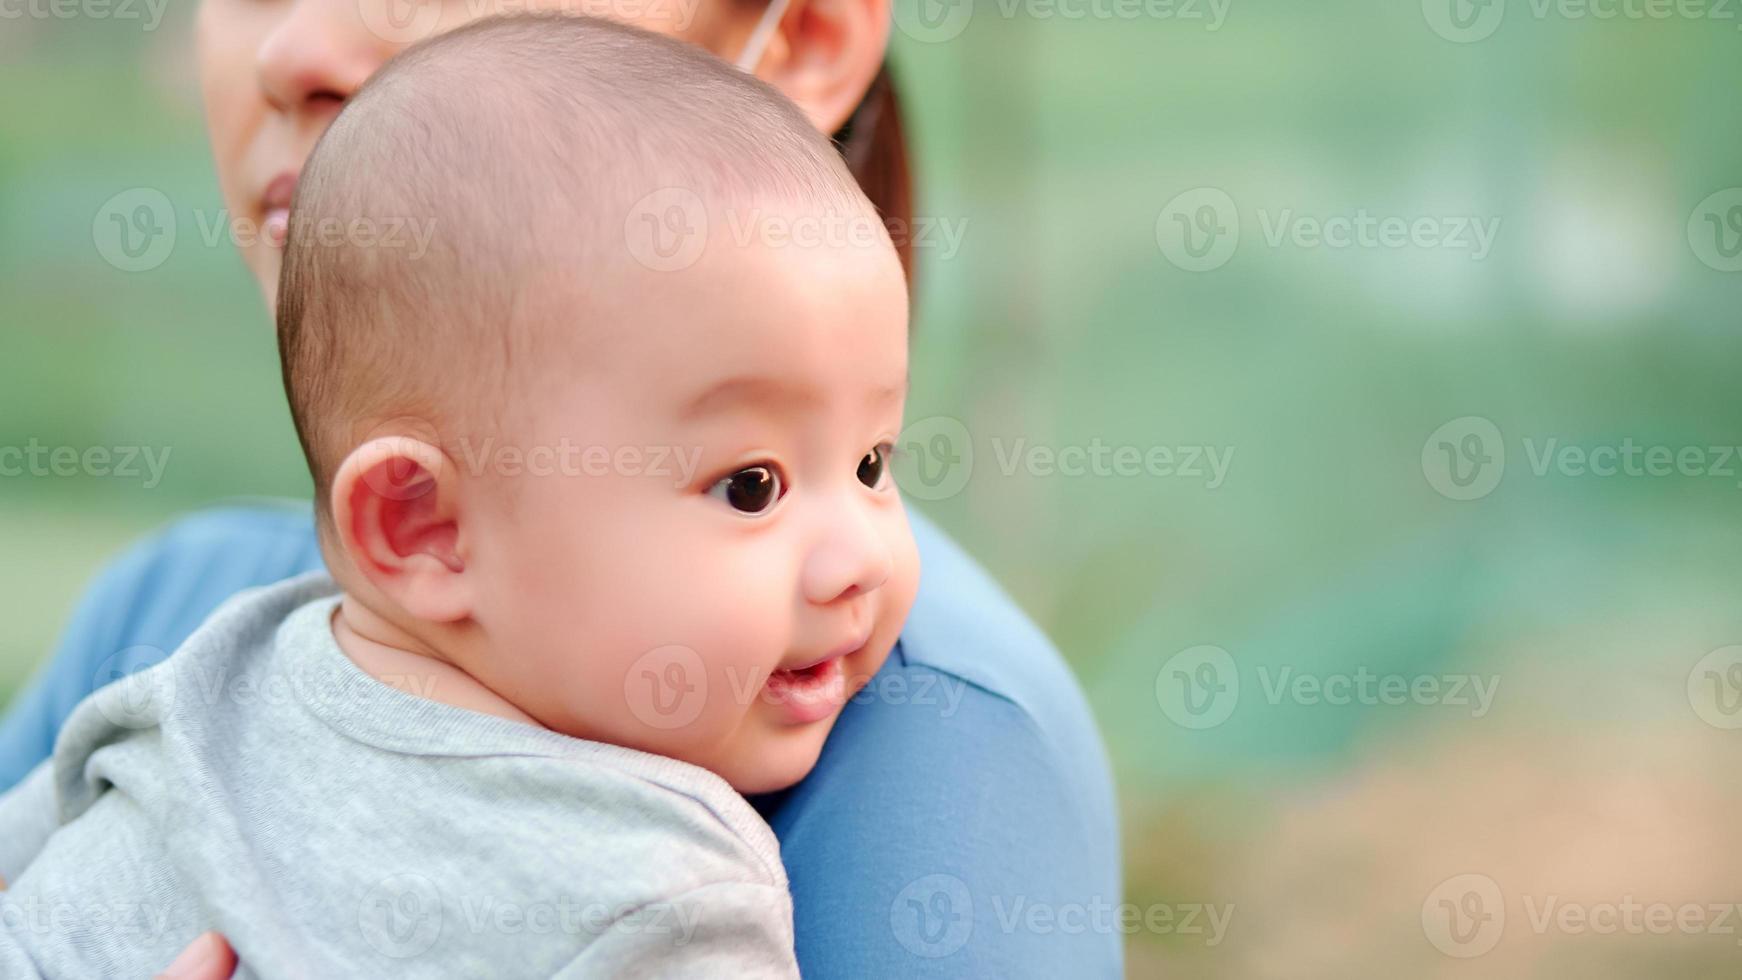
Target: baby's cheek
x,y
903,586
676,676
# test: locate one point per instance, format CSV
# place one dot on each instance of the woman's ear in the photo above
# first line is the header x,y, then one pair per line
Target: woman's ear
x,y
396,511
825,54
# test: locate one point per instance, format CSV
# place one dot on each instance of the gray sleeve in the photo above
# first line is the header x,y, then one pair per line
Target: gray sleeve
x,y
732,929
28,816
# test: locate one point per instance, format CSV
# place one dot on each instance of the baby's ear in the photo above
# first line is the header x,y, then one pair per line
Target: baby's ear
x,y
396,510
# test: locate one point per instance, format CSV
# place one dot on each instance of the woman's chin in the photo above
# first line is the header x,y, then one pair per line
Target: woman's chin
x,y
264,261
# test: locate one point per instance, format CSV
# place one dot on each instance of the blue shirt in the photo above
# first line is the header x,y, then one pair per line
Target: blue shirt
x,y
960,821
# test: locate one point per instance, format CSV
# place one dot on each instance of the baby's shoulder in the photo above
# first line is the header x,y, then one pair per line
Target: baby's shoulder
x,y
652,825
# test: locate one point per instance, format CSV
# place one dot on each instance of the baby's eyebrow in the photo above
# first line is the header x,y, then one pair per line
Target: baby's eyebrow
x,y
751,390
770,394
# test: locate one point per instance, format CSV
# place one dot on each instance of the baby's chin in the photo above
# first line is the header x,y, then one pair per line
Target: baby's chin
x,y
779,757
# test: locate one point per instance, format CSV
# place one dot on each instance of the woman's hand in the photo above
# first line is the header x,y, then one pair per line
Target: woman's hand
x,y
206,958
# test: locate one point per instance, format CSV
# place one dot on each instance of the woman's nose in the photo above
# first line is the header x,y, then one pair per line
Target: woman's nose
x,y
319,54
849,555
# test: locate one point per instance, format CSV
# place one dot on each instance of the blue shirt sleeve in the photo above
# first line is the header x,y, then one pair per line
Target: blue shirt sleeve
x,y
144,604
960,821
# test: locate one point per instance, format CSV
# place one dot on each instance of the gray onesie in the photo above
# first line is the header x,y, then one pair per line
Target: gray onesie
x,y
259,783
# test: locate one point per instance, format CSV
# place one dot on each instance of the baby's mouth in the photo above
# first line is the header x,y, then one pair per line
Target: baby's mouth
x,y
811,692
809,672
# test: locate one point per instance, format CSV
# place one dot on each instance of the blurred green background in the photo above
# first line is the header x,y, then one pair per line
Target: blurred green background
x,y
1061,147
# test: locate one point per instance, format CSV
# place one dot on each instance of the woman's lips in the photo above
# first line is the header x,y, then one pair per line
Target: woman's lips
x,y
275,207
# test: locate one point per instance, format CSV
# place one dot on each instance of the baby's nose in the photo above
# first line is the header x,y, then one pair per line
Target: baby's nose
x,y
848,557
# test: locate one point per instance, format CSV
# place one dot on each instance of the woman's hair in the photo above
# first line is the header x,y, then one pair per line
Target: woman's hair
x,y
874,143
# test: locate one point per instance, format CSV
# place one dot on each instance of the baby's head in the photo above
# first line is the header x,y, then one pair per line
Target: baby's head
x,y
608,428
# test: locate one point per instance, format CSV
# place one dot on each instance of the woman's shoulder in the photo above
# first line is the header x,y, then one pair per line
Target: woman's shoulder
x,y
964,625
971,768
160,590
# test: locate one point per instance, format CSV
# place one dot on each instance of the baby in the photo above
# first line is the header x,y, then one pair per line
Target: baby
x,y
602,479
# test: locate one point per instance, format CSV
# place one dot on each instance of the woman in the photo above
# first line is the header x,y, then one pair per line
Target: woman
x,y
965,789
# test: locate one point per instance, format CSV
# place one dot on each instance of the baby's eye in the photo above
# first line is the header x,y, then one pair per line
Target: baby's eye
x,y
874,465
752,490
